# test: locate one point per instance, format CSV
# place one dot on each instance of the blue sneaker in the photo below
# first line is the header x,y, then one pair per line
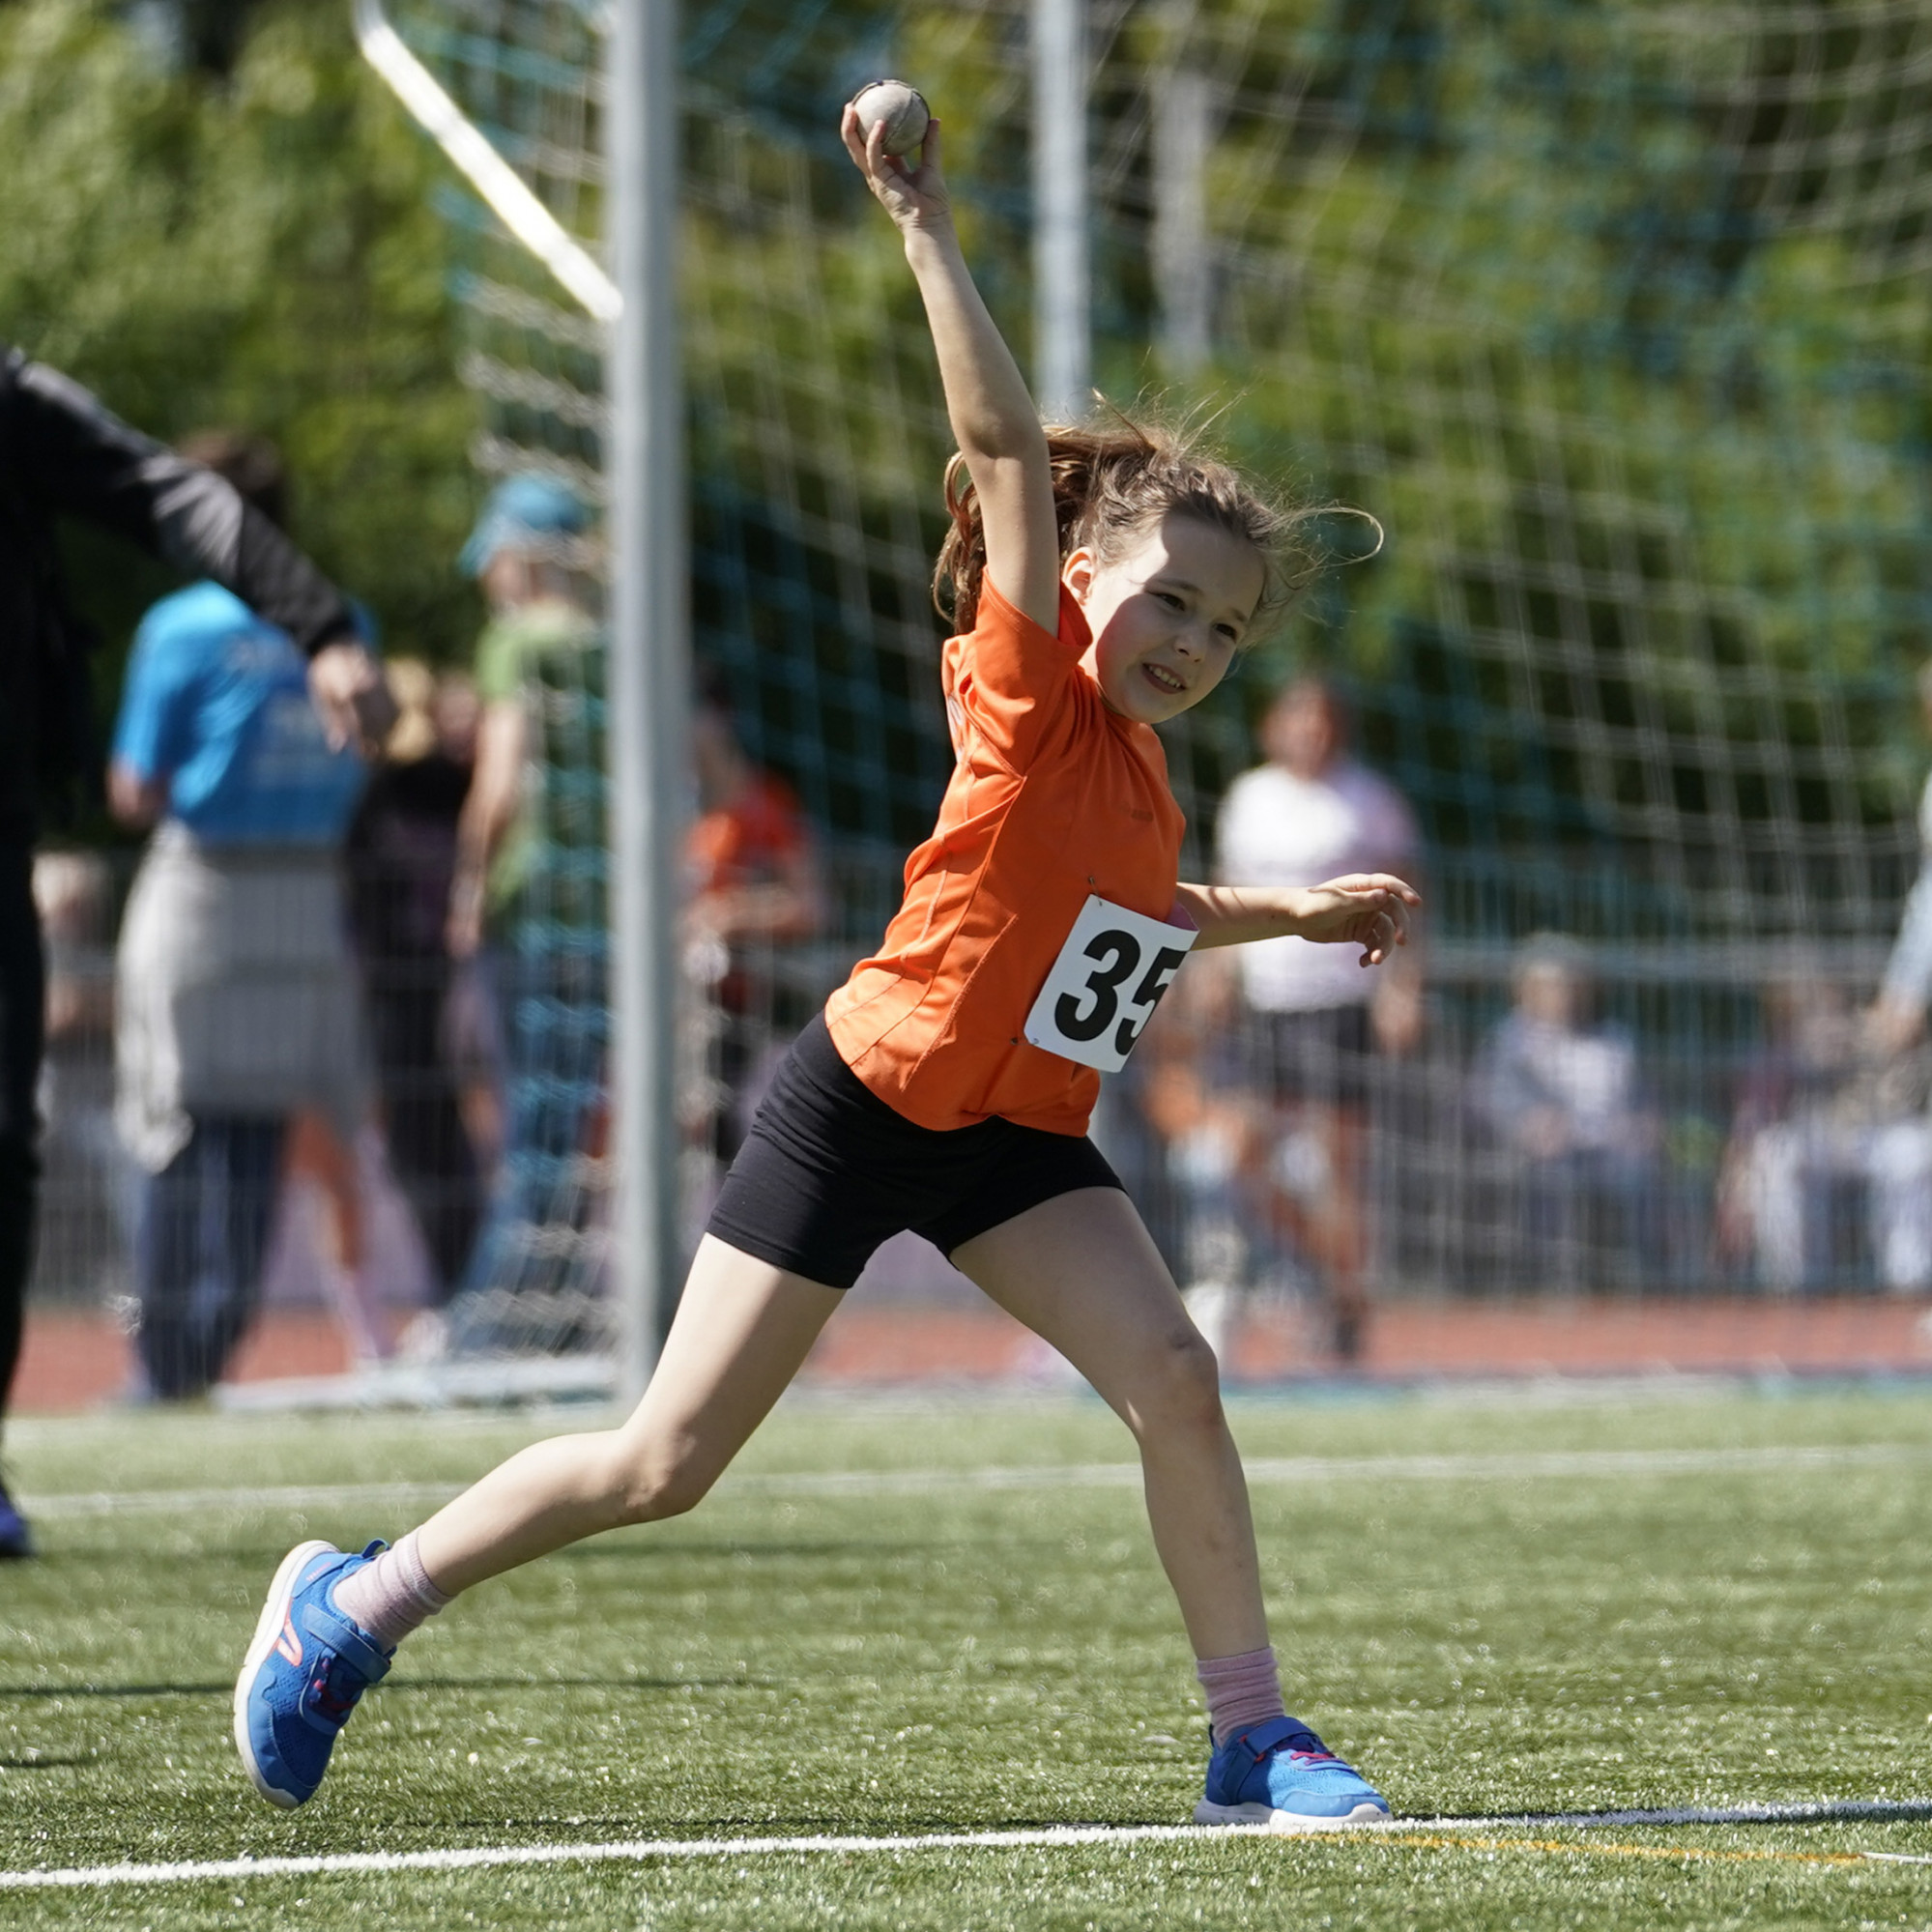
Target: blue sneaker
x,y
17,1540
304,1670
1281,1775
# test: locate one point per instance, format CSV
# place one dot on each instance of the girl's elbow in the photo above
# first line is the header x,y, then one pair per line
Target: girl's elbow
x,y
1003,447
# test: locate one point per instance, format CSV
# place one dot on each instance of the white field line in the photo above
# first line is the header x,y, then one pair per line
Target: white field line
x,y
1293,1470
470,1857
293,1500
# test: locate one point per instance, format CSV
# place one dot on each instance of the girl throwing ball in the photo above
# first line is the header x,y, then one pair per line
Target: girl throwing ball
x,y
1100,582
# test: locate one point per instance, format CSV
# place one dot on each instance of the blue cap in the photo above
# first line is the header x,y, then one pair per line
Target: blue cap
x,y
527,509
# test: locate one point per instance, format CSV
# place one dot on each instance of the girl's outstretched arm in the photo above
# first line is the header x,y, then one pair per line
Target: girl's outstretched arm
x,y
1370,909
991,413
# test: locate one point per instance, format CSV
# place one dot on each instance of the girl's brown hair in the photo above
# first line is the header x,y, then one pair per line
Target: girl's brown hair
x,y
1112,481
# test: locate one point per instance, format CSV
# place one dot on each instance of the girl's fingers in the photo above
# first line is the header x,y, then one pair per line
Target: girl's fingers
x,y
1380,881
892,170
848,132
865,145
1385,932
903,190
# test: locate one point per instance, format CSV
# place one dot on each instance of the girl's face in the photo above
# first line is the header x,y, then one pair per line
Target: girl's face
x,y
1166,615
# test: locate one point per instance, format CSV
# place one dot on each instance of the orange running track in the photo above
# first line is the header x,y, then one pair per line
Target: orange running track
x,y
79,1359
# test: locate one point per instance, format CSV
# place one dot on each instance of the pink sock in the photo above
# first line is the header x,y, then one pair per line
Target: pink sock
x,y
392,1596
1242,1692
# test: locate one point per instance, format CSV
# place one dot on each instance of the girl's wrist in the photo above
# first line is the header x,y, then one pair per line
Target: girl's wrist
x,y
930,234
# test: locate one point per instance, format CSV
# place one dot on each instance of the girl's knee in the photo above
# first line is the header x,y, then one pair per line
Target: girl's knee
x,y
1183,1383
648,1485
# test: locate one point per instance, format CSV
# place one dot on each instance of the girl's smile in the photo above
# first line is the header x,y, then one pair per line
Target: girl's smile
x,y
1168,615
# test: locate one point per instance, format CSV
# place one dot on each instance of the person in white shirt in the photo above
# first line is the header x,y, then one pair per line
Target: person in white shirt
x,y
1896,1019
1819,1108
1313,1022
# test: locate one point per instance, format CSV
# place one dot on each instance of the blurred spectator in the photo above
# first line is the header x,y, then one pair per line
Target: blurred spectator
x,y
1561,1098
1218,1133
753,882
401,860
236,995
1896,1019
91,1187
62,454
1315,1017
536,788
1819,1112
519,552
315,1156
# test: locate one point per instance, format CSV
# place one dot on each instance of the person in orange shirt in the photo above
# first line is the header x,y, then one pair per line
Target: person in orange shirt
x,y
751,874
1101,581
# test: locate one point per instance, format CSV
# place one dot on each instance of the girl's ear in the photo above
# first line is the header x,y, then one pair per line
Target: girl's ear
x,y
1077,572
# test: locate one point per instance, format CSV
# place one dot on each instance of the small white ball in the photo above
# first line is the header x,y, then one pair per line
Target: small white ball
x,y
902,107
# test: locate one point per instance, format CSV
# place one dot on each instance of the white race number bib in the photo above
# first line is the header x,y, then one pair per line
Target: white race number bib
x,y
1105,985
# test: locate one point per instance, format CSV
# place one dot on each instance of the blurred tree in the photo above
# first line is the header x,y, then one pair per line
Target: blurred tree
x,y
231,224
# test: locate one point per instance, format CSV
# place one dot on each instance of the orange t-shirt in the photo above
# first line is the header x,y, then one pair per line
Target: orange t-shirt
x,y
1052,798
748,841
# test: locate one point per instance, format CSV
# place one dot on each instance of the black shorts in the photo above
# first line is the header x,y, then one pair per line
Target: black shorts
x,y
1323,1054
829,1171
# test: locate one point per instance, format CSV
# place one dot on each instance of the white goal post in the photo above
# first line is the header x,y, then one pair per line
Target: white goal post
x,y
649,644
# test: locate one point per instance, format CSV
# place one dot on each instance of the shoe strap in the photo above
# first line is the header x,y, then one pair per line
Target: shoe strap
x,y
346,1640
1275,1734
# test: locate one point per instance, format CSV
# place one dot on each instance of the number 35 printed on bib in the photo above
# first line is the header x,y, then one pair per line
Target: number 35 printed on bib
x,y
1105,985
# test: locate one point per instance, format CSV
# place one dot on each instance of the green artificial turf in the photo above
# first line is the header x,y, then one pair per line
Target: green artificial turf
x,y
797,1658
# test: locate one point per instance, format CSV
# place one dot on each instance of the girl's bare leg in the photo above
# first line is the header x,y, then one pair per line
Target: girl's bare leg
x,y
741,1330
1082,1273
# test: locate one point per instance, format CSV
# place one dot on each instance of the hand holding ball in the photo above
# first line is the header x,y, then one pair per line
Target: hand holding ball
x,y
894,143
901,108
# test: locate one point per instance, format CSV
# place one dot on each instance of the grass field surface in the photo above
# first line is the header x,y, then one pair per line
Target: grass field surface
x,y
923,1622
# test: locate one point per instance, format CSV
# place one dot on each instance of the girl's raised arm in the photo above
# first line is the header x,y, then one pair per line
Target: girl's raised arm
x,y
991,413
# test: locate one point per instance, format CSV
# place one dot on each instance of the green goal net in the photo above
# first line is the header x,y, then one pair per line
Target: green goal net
x,y
1614,315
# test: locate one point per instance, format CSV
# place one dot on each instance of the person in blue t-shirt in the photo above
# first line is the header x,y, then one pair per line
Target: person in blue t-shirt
x,y
217,731
236,1002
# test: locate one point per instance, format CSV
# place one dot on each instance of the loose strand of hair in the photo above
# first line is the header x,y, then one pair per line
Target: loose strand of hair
x,y
1112,477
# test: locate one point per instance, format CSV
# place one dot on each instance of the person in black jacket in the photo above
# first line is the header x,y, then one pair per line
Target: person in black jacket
x,y
401,857
63,454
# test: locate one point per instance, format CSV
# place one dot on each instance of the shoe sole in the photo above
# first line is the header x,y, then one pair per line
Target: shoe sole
x,y
1205,1813
268,1629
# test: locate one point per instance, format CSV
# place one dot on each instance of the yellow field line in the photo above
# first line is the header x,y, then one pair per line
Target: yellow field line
x,y
1598,1848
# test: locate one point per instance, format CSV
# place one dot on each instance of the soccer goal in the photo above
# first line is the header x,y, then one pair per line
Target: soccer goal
x,y
1612,316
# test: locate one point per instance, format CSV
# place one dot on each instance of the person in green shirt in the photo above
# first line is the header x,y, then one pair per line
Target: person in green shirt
x,y
535,658
528,895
